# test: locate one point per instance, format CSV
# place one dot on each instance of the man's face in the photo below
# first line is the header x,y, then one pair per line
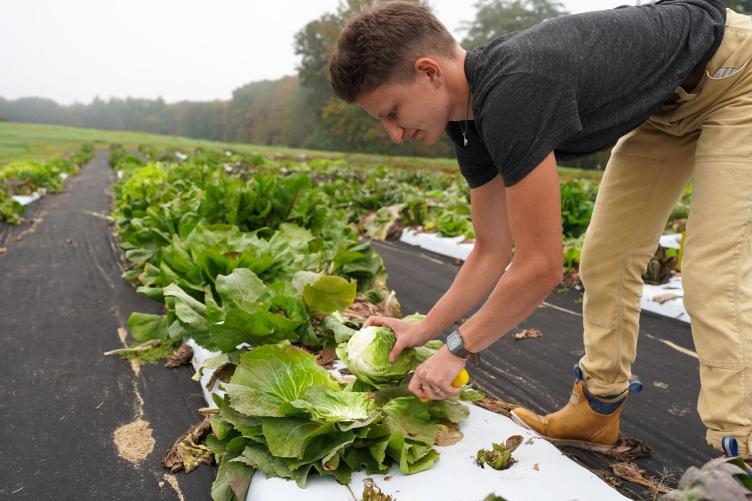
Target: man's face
x,y
417,110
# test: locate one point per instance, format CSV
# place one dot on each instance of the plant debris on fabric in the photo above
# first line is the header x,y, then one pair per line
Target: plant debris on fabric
x,y
629,449
499,457
631,472
372,492
181,356
496,405
188,451
527,334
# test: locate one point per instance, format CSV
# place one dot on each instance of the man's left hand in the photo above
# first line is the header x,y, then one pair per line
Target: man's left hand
x,y
433,378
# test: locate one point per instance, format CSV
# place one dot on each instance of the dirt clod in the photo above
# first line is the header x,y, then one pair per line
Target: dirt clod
x,y
134,441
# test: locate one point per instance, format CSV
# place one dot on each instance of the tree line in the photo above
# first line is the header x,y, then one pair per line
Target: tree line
x,y
295,111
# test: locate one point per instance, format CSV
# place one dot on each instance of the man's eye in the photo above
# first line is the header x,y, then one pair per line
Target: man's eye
x,y
393,114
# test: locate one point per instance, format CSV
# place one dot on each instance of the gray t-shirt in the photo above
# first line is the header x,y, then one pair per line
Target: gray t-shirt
x,y
576,84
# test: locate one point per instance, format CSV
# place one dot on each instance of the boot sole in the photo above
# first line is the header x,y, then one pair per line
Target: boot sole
x,y
581,444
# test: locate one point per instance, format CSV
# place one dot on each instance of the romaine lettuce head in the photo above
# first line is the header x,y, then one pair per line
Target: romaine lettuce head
x,y
366,354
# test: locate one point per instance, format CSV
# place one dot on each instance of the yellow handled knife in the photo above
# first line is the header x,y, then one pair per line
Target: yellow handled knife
x,y
383,396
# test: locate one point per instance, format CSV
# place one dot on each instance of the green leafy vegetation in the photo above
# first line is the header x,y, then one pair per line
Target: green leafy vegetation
x,y
10,210
366,354
26,177
286,416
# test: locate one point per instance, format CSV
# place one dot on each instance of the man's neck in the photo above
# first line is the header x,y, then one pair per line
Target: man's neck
x,y
459,89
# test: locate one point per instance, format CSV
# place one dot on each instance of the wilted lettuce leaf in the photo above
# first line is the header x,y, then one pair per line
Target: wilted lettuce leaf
x,y
723,479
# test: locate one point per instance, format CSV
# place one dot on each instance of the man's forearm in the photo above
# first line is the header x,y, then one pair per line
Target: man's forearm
x,y
518,293
477,276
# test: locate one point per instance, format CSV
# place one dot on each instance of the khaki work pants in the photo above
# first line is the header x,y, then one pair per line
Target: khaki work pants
x,y
705,137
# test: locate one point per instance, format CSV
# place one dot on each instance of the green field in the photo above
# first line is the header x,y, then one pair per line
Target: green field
x,y
42,142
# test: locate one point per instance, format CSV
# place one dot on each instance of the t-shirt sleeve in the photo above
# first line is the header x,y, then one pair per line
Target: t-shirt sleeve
x,y
476,164
525,117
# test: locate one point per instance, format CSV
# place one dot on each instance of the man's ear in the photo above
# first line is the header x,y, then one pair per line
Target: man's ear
x,y
430,68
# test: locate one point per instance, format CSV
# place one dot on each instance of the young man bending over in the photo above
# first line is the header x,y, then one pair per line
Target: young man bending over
x,y
670,85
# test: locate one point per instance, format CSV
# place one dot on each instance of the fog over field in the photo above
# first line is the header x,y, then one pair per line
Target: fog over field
x,y
179,50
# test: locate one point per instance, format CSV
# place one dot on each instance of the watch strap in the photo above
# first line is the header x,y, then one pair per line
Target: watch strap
x,y
459,351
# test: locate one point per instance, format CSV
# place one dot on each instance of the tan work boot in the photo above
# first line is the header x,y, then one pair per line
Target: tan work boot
x,y
576,424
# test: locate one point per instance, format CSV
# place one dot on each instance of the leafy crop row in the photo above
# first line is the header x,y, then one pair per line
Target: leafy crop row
x,y
25,177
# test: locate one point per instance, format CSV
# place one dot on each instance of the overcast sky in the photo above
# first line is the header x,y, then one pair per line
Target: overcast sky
x,y
73,50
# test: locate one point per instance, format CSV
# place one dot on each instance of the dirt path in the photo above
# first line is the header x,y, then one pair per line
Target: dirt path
x,y
61,303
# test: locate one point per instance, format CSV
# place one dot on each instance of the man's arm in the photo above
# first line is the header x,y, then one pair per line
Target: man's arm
x,y
485,264
534,215
534,211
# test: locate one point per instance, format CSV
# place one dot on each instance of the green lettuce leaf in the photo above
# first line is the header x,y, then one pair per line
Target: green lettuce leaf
x,y
329,294
145,326
348,409
242,288
413,434
232,482
272,375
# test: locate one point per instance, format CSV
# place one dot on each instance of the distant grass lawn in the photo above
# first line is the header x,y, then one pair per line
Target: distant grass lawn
x,y
41,142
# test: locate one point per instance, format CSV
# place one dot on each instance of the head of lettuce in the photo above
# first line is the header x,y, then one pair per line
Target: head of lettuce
x,y
366,355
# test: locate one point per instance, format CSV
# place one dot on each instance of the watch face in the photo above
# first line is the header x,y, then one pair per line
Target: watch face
x,y
454,342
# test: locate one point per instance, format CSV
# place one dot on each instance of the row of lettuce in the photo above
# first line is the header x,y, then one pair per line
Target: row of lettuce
x,y
381,201
262,264
25,177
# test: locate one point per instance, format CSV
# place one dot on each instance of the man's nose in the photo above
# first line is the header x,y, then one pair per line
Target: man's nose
x,y
396,133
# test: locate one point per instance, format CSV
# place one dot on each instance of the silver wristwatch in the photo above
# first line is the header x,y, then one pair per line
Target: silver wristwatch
x,y
456,346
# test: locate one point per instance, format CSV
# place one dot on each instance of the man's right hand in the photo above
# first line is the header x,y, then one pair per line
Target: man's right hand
x,y
409,334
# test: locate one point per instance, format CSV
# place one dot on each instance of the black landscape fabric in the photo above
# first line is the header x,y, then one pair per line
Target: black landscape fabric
x,y
61,302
